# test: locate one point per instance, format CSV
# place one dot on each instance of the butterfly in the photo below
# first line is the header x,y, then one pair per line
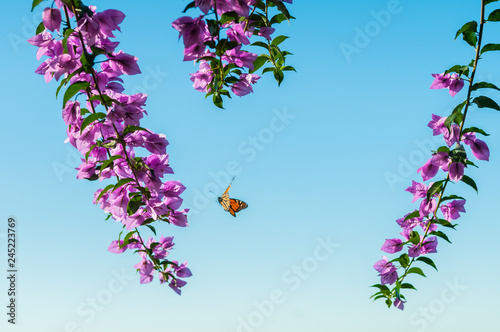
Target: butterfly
x,y
232,205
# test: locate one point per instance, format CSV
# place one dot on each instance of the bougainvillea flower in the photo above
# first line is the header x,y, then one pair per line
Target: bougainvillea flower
x,y
479,148
191,30
427,207
387,271
456,171
451,82
452,210
391,246
428,247
440,159
428,170
244,85
51,18
398,304
240,58
109,20
419,190
124,63
202,77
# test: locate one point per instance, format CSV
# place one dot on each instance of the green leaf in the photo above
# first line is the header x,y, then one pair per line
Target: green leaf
x,y
66,34
225,92
414,237
73,90
470,163
134,204
35,3
490,47
105,190
447,198
103,99
107,162
278,40
404,260
435,188
259,62
278,18
397,289
39,28
470,182
190,5
127,238
445,223
217,100
489,1
461,70
110,143
483,85
416,270
91,118
268,69
383,288
475,130
282,8
458,154
414,214
388,302
152,229
288,68
494,16
278,76
459,107
468,32
441,235
483,101
443,149
87,59
122,182
228,17
65,80
63,83
449,121
427,261
261,44
131,129
407,286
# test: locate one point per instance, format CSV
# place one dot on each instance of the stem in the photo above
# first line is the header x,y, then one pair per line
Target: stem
x,y
120,139
478,49
248,20
217,52
467,103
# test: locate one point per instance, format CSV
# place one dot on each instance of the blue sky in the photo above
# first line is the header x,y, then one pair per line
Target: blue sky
x,y
339,142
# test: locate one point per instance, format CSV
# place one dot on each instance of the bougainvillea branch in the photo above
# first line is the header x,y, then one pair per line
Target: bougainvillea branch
x,y
108,131
217,44
452,159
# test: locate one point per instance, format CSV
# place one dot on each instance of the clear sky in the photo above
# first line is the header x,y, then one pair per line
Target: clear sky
x,y
338,143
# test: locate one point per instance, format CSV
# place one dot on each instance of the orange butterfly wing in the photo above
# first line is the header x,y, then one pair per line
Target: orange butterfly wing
x,y
236,205
224,199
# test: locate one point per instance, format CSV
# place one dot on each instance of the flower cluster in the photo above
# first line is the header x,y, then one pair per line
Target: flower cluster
x,y
452,160
105,128
217,44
